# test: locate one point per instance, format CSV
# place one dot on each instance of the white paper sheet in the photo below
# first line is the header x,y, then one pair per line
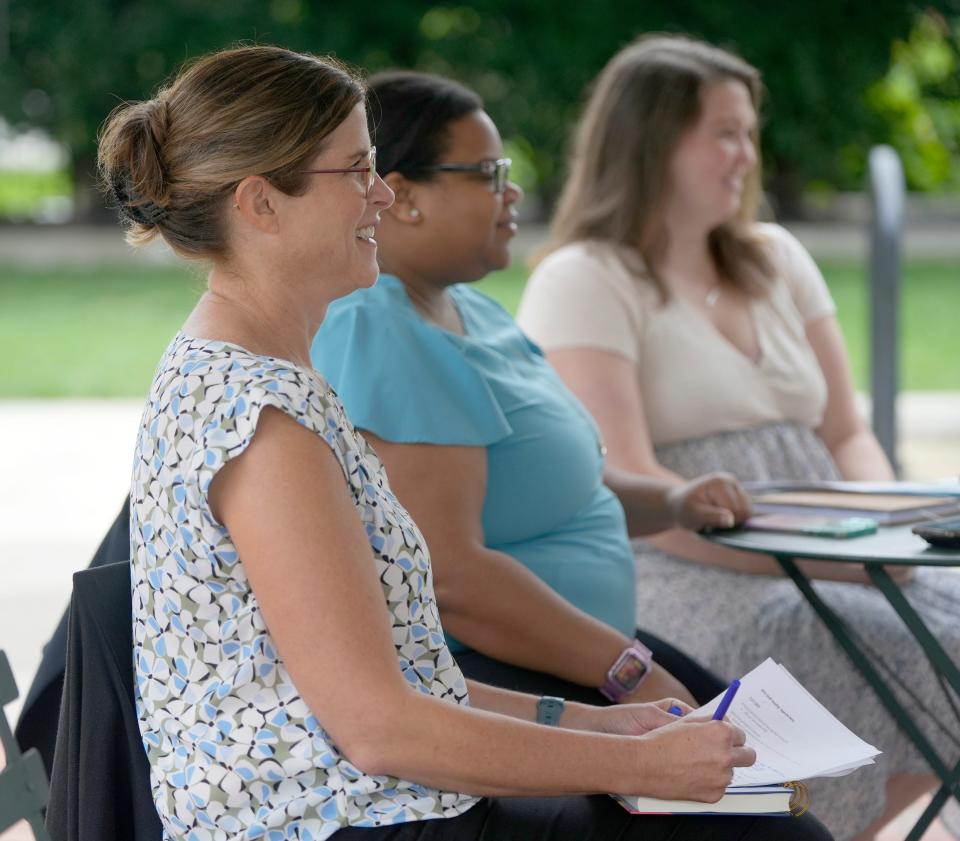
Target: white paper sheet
x,y
794,735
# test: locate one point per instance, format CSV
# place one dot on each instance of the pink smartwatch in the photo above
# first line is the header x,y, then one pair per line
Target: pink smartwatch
x,y
629,670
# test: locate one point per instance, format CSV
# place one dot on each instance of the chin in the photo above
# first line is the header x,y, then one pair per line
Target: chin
x,y
355,280
368,277
728,215
498,259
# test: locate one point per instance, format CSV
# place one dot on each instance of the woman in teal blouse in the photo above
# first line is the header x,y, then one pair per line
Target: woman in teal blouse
x,y
497,461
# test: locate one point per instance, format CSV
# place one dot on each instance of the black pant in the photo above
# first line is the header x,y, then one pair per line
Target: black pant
x,y
582,818
703,685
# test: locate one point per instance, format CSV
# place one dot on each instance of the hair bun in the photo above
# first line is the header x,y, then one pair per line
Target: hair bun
x,y
138,179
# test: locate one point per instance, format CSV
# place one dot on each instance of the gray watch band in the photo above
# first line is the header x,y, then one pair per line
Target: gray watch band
x,y
549,710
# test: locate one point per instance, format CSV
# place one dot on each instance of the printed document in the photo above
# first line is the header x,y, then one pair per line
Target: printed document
x,y
794,735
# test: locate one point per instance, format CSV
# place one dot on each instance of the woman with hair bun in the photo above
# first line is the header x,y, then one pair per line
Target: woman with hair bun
x,y
292,677
701,339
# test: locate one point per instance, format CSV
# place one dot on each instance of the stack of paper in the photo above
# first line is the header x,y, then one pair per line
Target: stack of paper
x,y
795,738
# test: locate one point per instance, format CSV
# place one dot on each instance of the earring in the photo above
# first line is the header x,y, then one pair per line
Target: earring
x,y
414,213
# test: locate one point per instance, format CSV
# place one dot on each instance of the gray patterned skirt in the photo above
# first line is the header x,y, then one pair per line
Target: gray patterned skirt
x,y
731,621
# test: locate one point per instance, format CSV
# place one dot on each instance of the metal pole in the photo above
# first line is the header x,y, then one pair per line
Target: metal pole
x,y
887,193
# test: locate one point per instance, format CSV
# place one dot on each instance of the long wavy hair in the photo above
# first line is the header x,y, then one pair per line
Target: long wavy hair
x,y
647,96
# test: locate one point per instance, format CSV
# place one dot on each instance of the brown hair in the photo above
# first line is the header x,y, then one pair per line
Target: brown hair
x,y
171,161
645,98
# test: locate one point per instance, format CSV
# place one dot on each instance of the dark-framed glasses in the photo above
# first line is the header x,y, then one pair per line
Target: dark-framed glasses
x,y
498,171
370,168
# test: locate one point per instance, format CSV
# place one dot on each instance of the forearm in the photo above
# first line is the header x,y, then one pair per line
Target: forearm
x,y
644,499
687,545
859,457
501,609
523,706
493,699
654,504
485,753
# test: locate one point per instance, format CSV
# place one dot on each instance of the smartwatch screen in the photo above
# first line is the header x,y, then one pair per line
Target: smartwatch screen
x,y
629,671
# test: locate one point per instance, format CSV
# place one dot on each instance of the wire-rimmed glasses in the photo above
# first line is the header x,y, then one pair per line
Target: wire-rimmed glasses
x,y
370,168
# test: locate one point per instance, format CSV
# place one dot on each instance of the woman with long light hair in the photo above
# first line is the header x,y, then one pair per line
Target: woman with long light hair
x,y
700,340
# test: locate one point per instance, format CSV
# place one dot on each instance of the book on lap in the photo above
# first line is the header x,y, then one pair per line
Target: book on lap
x,y
795,738
749,800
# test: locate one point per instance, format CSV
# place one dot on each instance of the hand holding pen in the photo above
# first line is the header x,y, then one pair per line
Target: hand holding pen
x,y
722,707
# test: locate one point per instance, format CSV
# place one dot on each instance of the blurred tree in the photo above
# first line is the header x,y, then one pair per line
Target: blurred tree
x,y
919,99
69,63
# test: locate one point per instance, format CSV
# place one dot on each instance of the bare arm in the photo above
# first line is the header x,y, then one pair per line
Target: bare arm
x,y
628,719
655,504
607,385
852,444
488,599
288,510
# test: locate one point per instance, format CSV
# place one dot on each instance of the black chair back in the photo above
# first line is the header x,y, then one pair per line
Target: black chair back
x,y
100,784
23,783
37,725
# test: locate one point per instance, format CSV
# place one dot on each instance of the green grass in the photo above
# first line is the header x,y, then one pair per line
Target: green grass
x,y
91,332
99,332
929,334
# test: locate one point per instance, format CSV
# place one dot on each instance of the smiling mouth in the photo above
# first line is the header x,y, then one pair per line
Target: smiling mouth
x,y
367,233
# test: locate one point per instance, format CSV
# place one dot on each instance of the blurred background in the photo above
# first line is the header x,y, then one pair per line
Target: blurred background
x,y
841,76
83,319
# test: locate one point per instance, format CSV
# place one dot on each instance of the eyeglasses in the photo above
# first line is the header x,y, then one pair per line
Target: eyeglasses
x,y
498,171
370,168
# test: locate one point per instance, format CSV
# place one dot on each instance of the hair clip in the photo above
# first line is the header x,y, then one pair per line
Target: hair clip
x,y
132,207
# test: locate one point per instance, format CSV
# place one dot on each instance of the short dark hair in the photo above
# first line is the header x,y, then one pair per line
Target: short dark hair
x,y
409,116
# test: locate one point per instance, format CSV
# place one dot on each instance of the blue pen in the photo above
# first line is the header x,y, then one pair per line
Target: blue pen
x,y
675,710
726,701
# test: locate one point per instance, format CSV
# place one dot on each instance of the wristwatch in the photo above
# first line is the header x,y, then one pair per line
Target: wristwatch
x,y
628,671
549,710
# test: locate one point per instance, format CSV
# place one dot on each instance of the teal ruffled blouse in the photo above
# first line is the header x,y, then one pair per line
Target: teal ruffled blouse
x,y
409,381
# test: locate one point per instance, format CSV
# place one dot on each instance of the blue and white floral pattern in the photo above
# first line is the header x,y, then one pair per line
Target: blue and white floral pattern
x,y
235,752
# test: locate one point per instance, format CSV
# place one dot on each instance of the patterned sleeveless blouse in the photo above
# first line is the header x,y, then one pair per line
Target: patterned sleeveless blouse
x,y
235,753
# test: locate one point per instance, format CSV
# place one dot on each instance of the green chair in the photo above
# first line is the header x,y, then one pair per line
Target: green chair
x,y
23,783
